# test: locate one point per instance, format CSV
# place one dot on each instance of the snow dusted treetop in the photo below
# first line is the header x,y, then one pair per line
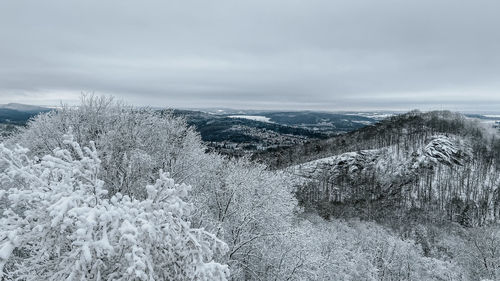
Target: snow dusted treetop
x,y
59,224
133,143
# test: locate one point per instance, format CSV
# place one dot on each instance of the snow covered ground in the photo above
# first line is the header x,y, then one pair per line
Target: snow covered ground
x,y
252,117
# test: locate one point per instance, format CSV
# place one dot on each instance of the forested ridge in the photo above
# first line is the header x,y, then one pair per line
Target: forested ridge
x,y
407,129
434,156
106,191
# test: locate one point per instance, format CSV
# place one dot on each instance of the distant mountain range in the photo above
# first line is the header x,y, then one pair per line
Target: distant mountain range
x,y
243,132
329,122
19,114
24,107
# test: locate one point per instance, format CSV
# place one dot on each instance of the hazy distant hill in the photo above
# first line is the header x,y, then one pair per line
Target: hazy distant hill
x,y
320,121
242,132
325,122
238,136
18,114
25,107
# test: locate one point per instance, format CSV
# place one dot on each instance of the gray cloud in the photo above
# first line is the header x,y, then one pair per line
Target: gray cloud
x,y
294,54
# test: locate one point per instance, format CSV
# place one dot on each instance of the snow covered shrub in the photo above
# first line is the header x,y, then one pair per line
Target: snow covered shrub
x,y
60,224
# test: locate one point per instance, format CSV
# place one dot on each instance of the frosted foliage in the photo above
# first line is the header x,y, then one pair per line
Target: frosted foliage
x,y
252,210
352,250
247,206
59,224
133,144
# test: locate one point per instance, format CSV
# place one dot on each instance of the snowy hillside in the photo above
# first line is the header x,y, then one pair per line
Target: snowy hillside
x,y
440,149
251,117
434,174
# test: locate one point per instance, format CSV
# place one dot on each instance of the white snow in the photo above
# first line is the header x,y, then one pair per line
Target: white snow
x,y
252,117
373,115
363,122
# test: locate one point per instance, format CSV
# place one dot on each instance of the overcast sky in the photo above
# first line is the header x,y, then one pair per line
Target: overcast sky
x,y
287,54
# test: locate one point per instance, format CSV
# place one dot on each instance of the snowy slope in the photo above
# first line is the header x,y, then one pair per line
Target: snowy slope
x,y
428,174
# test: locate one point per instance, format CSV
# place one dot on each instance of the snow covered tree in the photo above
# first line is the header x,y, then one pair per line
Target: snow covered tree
x,y
60,223
252,210
354,250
